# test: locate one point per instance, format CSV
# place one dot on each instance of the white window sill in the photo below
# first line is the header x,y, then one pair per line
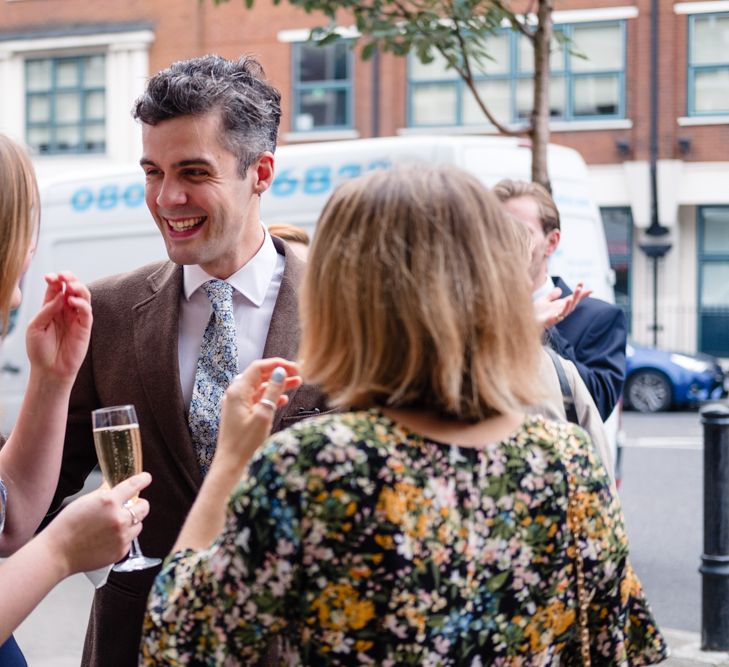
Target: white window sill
x,y
555,126
701,7
322,135
589,125
689,121
135,39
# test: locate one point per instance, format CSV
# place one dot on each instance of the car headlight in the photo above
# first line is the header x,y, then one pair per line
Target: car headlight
x,y
690,363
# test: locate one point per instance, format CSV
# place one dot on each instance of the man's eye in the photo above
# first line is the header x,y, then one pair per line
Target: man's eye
x,y
196,172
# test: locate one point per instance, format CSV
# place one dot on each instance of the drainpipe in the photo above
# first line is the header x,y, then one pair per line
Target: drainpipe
x,y
376,93
654,245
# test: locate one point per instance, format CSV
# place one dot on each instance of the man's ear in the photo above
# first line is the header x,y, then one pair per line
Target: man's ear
x,y
264,172
552,241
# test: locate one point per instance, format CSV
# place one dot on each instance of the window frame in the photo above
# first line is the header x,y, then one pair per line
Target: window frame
x,y
514,75
52,93
692,69
707,258
297,86
627,257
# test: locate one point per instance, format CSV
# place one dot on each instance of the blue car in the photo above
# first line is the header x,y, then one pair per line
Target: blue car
x,y
657,380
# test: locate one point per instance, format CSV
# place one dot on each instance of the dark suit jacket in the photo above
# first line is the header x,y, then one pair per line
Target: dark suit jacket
x,y
593,337
132,358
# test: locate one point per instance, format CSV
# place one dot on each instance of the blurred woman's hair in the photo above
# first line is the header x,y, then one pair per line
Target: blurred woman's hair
x,y
19,209
287,232
416,296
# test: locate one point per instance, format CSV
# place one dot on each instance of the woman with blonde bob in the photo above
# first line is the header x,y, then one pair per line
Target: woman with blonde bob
x,y
427,524
94,530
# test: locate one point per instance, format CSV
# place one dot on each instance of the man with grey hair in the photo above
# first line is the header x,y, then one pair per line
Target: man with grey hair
x,y
168,337
593,336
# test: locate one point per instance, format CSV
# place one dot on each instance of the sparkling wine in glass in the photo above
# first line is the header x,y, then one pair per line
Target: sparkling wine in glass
x,y
119,450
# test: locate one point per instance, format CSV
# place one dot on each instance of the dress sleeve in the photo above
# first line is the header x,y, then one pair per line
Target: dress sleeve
x,y
621,625
232,599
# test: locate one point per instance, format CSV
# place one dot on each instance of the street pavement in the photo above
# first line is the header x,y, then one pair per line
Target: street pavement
x,y
661,496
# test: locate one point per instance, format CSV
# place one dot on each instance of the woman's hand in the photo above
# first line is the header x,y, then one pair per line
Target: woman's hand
x,y
248,408
97,529
58,336
550,309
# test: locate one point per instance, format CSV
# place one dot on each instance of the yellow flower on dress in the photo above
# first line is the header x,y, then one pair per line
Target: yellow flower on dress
x,y
547,623
340,608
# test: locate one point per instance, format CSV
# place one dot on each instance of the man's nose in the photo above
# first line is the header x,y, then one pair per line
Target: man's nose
x,y
171,193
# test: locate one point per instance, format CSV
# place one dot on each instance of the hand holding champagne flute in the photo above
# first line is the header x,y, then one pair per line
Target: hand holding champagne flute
x,y
119,450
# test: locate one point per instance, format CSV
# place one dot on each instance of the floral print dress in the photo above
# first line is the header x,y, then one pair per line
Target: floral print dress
x,y
357,542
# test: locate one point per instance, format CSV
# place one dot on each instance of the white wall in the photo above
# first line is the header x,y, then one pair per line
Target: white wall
x,y
682,187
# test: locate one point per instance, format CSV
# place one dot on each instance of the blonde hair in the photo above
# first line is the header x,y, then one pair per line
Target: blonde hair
x,y
548,213
287,232
410,298
19,209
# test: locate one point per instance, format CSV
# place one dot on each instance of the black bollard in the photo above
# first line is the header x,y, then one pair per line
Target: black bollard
x,y
715,559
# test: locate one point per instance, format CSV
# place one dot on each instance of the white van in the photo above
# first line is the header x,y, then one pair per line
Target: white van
x,y
92,224
97,224
306,174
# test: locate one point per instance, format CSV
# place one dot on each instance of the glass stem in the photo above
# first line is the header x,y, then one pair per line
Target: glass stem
x,y
135,551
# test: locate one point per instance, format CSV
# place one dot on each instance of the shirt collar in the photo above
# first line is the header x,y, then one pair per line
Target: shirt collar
x,y
544,289
251,280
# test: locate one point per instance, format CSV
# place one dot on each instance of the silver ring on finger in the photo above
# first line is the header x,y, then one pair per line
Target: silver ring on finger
x,y
268,403
135,518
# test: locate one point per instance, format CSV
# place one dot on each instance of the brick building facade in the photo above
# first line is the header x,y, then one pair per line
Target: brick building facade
x,y
69,72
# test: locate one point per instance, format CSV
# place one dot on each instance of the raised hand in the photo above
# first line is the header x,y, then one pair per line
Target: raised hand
x,y
58,336
249,406
551,309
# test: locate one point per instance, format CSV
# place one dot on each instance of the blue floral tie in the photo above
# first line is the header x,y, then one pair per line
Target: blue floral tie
x,y
216,368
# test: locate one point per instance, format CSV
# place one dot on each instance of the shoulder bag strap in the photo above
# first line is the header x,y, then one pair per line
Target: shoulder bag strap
x,y
567,398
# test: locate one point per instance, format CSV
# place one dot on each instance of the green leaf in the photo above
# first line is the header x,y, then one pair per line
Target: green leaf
x,y
326,39
368,50
497,581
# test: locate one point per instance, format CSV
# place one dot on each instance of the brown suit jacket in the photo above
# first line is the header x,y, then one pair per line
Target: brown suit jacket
x,y
132,358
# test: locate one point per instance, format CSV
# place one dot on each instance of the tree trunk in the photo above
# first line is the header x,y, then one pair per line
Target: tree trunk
x,y
540,112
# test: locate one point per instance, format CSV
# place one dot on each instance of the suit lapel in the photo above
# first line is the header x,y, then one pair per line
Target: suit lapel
x,y
558,282
283,332
155,324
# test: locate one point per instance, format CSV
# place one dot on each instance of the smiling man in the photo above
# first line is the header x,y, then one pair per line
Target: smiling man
x,y
168,337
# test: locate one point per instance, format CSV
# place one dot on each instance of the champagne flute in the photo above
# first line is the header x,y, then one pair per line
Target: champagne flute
x,y
119,450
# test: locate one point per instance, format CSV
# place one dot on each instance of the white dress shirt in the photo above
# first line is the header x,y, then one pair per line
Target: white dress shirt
x,y
545,289
255,289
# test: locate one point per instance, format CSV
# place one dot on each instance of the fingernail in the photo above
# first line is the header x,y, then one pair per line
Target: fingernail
x,y
278,375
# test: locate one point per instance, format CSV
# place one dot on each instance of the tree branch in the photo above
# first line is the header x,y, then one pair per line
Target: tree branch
x,y
516,24
466,74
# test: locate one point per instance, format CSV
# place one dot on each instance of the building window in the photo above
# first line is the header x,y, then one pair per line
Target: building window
x,y
708,63
322,86
713,280
618,224
66,104
587,80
